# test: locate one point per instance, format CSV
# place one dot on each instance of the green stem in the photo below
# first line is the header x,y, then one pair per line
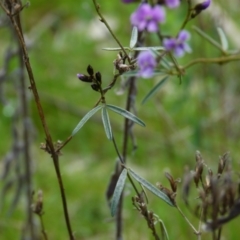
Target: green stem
x,y
189,2
189,223
219,60
42,227
102,19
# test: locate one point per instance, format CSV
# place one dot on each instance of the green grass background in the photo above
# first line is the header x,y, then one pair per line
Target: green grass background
x,y
202,114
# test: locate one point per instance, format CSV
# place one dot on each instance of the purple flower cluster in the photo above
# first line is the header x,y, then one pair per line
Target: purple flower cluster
x,y
148,17
178,45
146,63
176,3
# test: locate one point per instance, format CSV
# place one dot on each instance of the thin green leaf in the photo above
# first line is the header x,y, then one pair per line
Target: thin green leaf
x,y
223,38
112,49
154,48
118,191
136,73
106,123
151,188
154,89
144,192
130,73
163,229
165,63
126,114
208,38
134,37
85,119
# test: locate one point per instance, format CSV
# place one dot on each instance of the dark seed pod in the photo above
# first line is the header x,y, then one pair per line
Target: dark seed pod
x,y
90,70
98,77
95,87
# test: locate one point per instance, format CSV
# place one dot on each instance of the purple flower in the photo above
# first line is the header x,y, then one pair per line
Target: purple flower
x,y
203,5
200,7
178,45
80,76
147,17
172,3
146,63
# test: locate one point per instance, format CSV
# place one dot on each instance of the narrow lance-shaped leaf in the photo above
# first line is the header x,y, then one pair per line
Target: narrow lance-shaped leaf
x,y
135,73
118,191
134,37
153,48
106,123
151,188
126,114
207,37
112,49
165,63
154,89
85,119
163,229
130,73
223,38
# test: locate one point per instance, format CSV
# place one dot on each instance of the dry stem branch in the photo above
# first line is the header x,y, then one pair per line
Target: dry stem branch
x,y
49,142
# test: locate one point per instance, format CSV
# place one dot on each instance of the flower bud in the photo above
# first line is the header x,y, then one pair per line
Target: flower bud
x,y
84,78
90,70
200,7
95,87
98,77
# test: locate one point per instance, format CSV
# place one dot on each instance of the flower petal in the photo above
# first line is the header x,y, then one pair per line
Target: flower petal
x,y
146,63
172,3
183,36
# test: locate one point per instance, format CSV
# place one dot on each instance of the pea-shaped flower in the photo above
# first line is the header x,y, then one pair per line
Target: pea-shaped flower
x,y
147,17
146,63
178,45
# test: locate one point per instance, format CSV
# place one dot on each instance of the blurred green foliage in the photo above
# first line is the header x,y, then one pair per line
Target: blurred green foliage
x,y
202,114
